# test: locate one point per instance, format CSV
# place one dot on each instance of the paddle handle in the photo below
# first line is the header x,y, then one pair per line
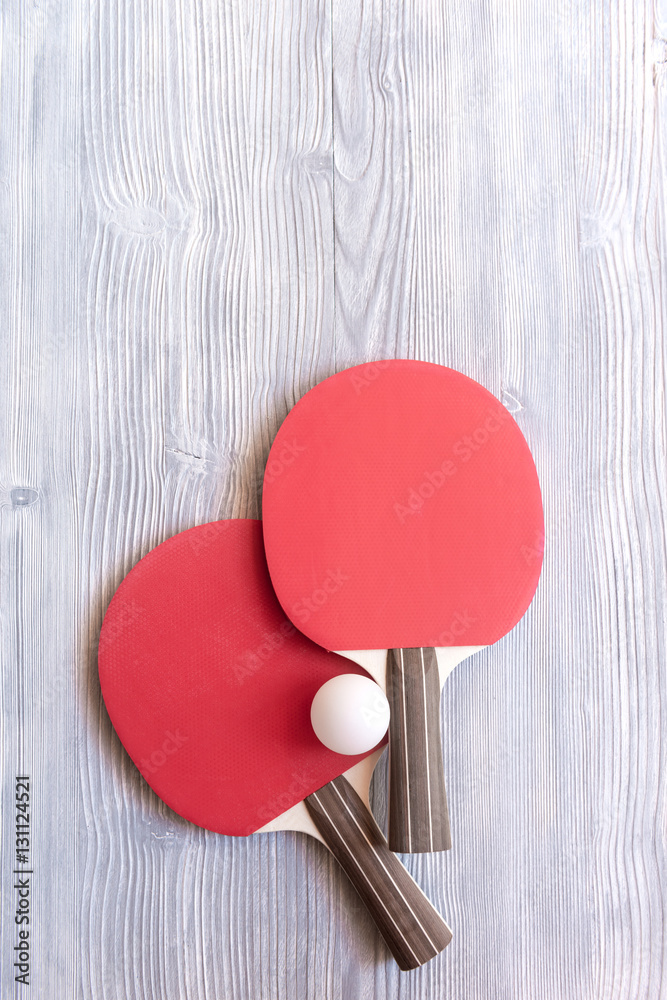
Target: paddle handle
x,y
414,931
418,815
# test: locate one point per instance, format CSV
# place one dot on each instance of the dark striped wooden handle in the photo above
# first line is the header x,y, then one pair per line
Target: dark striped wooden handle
x,y
418,815
414,931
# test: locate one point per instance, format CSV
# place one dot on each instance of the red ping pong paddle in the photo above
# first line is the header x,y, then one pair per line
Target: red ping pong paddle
x,y
403,528
209,687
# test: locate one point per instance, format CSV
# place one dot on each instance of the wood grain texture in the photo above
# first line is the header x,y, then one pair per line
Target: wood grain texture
x,y
205,208
413,930
418,818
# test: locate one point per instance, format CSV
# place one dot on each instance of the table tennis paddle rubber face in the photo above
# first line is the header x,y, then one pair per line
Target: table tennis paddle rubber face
x,y
402,511
209,687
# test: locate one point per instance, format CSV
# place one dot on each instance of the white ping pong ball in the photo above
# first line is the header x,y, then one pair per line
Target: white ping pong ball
x,y
350,714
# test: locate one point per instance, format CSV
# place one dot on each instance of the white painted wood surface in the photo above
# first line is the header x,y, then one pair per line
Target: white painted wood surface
x,y
205,208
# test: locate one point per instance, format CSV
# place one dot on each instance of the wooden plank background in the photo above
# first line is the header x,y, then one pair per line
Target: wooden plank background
x,y
205,208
